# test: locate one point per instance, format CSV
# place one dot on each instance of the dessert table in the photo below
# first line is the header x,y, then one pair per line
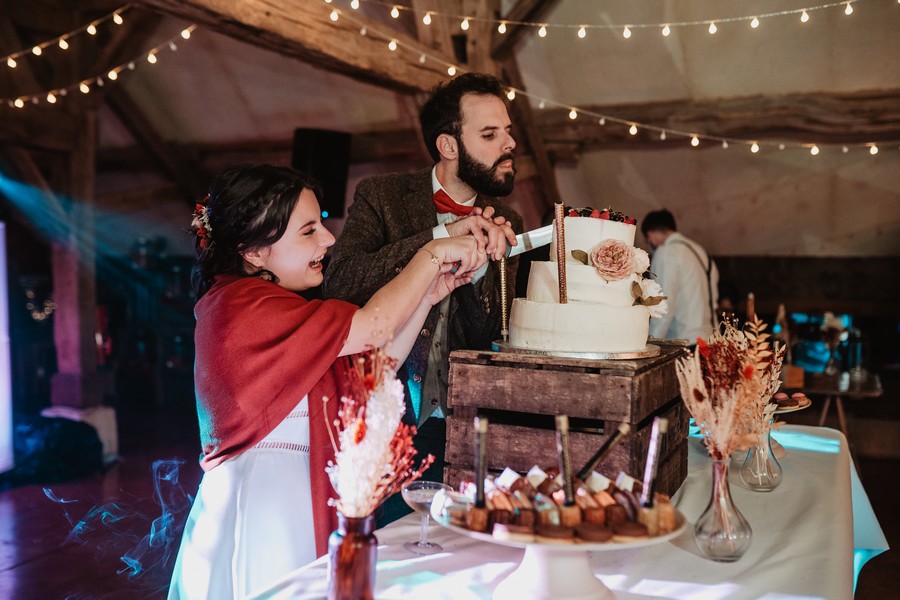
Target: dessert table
x,y
811,535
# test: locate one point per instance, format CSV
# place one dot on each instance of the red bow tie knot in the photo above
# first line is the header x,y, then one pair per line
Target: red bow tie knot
x,y
445,204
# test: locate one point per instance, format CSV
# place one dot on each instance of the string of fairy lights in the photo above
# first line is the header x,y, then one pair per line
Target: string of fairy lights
x,y
86,85
665,28
394,44
574,112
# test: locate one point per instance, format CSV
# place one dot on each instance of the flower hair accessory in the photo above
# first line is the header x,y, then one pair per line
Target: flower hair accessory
x,y
200,224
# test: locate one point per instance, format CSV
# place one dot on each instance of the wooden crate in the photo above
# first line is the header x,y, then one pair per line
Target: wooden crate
x,y
520,394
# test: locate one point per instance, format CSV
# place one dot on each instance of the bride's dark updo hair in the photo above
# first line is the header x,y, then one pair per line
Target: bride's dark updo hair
x,y
248,207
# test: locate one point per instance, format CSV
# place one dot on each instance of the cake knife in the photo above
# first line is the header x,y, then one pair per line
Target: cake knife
x,y
536,238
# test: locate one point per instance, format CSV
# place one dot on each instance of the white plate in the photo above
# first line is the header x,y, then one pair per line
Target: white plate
x,y
790,409
436,504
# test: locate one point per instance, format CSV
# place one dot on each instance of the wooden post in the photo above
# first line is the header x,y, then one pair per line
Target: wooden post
x,y
77,383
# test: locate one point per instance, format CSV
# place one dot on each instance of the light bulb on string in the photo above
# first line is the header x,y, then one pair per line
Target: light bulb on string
x,y
573,114
725,144
427,18
395,12
849,10
542,104
712,27
754,148
582,32
354,4
845,149
421,59
63,44
754,23
131,66
804,17
602,121
633,129
464,25
19,103
662,135
186,34
873,149
363,30
151,58
91,29
626,33
11,62
84,88
36,51
51,98
666,30
501,28
542,32
172,46
392,45
117,19
334,16
695,141
112,75
511,94
781,146
814,150
451,70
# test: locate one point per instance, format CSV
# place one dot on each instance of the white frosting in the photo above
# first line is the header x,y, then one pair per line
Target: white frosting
x,y
600,315
578,327
583,284
584,233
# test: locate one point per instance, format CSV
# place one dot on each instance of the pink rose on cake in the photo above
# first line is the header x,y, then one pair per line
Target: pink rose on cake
x,y
613,259
641,261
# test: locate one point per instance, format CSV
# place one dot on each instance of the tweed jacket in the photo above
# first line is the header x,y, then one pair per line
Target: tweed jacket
x,y
391,218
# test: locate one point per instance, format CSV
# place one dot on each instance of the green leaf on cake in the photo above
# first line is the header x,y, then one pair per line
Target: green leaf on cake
x,y
581,256
636,291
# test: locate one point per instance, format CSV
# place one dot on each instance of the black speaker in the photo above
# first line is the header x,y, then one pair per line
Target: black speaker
x,y
325,155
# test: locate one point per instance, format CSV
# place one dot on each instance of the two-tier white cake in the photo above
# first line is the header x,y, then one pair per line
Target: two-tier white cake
x,y
609,301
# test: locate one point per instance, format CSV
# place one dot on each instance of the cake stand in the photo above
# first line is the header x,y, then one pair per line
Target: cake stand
x,y
648,351
553,571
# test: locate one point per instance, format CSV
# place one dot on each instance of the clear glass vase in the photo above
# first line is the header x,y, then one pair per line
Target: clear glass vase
x,y
352,554
761,471
722,533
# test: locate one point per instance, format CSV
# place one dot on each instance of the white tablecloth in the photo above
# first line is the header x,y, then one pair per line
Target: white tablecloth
x,y
806,534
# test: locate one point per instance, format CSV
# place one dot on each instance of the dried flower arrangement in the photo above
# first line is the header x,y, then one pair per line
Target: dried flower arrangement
x,y
727,385
373,449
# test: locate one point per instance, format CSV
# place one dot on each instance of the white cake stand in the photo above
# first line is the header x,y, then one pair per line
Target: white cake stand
x,y
554,571
648,351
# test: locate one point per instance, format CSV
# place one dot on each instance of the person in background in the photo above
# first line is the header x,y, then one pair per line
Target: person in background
x,y
687,274
467,130
265,358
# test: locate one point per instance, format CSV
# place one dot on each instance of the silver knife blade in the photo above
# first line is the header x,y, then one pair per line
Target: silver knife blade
x,y
531,240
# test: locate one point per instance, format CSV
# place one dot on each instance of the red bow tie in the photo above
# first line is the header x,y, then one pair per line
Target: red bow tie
x,y
445,204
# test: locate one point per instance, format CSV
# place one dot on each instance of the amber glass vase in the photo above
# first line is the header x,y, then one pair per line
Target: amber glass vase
x,y
352,554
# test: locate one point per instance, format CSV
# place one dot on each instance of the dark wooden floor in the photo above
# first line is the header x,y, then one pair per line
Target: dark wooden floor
x,y
42,559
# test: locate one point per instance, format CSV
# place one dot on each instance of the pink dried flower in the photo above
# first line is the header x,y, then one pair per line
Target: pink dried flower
x,y
613,259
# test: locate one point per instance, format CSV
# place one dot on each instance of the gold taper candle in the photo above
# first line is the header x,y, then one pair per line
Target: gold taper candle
x,y
481,427
559,222
504,294
565,464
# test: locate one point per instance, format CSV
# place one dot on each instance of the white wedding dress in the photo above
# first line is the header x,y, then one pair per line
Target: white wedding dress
x,y
252,520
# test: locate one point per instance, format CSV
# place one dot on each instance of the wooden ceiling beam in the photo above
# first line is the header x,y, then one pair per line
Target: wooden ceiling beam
x,y
38,126
813,118
525,10
302,29
189,179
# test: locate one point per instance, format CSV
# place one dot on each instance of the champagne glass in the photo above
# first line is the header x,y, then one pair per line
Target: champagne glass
x,y
418,496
